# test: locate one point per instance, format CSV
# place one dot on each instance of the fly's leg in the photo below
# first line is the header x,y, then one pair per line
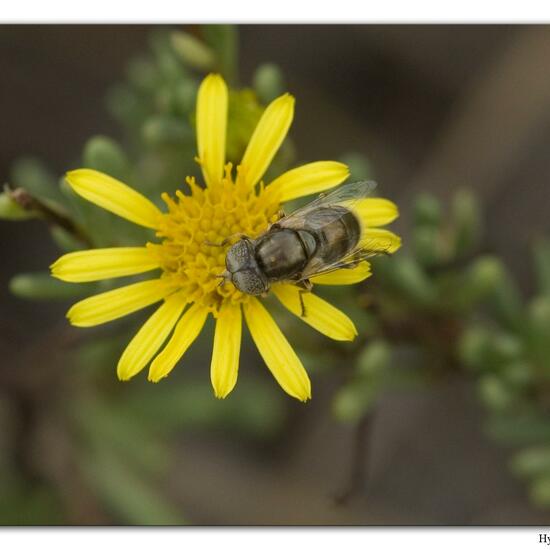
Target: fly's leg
x,y
306,287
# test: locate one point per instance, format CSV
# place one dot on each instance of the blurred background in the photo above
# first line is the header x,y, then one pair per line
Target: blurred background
x,y
438,415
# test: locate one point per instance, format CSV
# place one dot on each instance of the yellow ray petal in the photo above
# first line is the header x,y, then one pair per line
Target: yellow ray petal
x,y
344,276
187,330
150,337
381,240
212,127
308,179
267,138
117,303
227,346
375,211
103,263
277,353
319,314
113,195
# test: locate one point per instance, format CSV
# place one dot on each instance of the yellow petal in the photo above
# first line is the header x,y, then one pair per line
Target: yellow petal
x,y
187,330
375,211
212,127
381,240
113,195
344,276
308,179
267,138
277,353
150,337
103,263
225,355
319,314
117,303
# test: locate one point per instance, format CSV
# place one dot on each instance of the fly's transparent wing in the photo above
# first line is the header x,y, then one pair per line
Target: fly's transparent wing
x,y
365,250
346,195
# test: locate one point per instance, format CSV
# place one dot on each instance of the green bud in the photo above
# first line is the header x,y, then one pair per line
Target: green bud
x,y
352,402
104,154
479,281
467,220
193,52
541,254
268,82
42,286
374,359
532,462
427,210
359,166
495,393
10,210
473,347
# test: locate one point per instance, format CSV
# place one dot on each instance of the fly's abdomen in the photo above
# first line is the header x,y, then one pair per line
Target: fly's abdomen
x,y
338,235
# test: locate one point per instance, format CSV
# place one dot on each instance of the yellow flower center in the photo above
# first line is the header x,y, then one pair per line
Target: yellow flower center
x,y
196,224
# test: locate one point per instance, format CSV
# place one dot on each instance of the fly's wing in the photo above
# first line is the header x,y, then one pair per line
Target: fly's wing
x,y
364,251
346,195
320,213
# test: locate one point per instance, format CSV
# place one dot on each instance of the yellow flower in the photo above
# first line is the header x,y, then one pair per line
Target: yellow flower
x,y
187,284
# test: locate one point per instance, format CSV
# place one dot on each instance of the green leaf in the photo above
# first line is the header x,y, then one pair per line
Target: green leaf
x,y
42,286
104,154
193,52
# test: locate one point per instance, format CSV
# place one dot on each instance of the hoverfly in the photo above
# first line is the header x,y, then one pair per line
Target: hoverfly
x,y
322,236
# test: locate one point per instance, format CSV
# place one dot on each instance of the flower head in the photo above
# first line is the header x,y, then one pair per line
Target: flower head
x,y
232,201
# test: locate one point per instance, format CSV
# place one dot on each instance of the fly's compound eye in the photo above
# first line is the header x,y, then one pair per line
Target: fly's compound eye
x,y
238,256
250,281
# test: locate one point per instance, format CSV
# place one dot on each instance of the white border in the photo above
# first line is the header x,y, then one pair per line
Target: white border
x,y
361,538
274,11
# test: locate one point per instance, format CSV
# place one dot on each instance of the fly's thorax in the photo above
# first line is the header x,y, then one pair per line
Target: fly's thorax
x,y
243,269
281,254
